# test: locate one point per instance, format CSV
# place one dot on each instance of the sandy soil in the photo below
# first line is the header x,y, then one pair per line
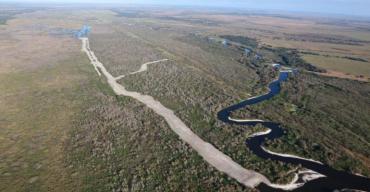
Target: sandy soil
x,y
305,176
143,68
245,120
288,155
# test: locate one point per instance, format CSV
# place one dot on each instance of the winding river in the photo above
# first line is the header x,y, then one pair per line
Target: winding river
x,y
333,179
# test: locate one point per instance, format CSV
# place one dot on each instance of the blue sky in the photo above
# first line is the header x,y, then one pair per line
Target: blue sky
x,y
348,7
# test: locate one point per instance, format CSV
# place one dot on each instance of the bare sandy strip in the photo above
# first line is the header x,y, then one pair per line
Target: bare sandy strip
x,y
90,54
246,120
268,131
288,155
309,175
305,176
209,153
265,133
143,68
291,186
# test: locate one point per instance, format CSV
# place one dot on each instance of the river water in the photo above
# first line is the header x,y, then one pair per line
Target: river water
x,y
334,179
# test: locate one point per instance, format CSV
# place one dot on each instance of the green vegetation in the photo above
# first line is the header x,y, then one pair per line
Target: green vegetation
x,y
326,122
291,58
257,57
196,84
62,127
119,145
196,98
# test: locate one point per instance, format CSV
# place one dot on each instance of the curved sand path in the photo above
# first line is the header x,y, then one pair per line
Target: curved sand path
x,y
209,153
143,68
